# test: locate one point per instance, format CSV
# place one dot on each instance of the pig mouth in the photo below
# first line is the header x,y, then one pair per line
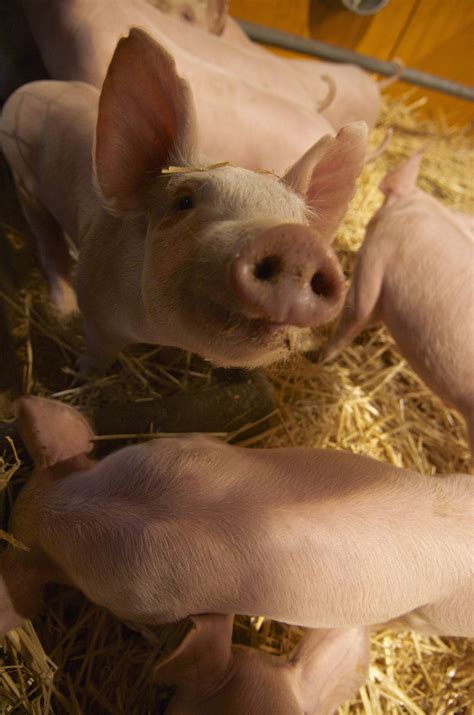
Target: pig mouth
x,y
238,324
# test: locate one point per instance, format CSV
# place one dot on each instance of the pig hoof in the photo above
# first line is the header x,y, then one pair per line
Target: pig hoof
x,y
86,364
64,298
313,355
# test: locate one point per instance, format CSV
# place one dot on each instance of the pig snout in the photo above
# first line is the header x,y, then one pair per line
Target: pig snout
x,y
287,276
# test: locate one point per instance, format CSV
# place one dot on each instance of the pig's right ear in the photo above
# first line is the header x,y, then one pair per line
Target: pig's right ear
x,y
146,122
203,657
326,175
52,431
401,181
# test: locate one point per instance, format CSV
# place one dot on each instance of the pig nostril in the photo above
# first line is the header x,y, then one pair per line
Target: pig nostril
x,y
320,285
268,268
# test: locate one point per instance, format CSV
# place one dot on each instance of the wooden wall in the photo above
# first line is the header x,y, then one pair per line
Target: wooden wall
x,y
436,36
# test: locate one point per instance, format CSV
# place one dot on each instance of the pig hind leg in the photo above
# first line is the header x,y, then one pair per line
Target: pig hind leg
x,y
54,255
21,587
360,307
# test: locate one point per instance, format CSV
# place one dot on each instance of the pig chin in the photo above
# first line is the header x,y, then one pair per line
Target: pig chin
x,y
230,339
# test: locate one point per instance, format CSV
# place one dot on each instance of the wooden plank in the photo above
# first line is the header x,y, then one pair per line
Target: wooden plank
x,y
375,35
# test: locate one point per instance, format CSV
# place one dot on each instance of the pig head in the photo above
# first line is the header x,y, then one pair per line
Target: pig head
x,y
211,676
415,273
180,526
232,264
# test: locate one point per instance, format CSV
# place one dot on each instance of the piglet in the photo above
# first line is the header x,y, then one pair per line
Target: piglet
x,y
191,525
233,264
415,272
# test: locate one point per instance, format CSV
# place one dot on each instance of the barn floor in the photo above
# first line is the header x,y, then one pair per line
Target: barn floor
x,y
75,658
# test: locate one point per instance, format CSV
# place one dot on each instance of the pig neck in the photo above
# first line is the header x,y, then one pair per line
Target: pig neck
x,y
119,270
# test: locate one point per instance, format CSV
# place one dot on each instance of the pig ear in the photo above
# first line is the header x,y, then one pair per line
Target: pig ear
x,y
329,667
217,16
326,175
402,180
52,431
145,122
202,658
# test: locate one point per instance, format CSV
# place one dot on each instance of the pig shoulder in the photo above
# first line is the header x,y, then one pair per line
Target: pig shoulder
x,y
157,514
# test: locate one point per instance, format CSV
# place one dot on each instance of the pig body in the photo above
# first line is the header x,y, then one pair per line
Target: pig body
x,y
233,264
415,273
253,116
355,96
191,525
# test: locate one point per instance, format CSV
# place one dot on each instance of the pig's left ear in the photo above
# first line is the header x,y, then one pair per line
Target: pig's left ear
x,y
146,122
52,431
217,16
202,658
326,175
329,666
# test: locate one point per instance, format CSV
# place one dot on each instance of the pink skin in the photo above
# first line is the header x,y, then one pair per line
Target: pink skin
x,y
158,252
212,677
192,525
356,96
209,15
257,125
414,273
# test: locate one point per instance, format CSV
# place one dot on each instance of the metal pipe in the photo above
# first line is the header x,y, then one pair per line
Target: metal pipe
x,y
361,7
337,54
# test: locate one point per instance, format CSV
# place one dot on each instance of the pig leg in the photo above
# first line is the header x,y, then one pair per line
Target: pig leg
x,y
21,587
54,255
360,307
101,349
453,615
469,417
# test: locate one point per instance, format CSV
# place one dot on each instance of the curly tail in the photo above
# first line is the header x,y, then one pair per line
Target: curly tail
x,y
384,83
328,99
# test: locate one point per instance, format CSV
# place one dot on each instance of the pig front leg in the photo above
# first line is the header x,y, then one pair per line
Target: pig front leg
x,y
360,307
453,615
54,254
101,351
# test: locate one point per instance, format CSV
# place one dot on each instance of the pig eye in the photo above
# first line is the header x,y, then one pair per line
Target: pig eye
x,y
184,203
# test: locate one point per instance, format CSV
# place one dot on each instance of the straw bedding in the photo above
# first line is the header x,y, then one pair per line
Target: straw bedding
x,y
75,658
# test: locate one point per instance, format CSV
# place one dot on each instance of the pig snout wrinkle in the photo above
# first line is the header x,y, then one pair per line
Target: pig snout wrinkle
x,y
287,276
